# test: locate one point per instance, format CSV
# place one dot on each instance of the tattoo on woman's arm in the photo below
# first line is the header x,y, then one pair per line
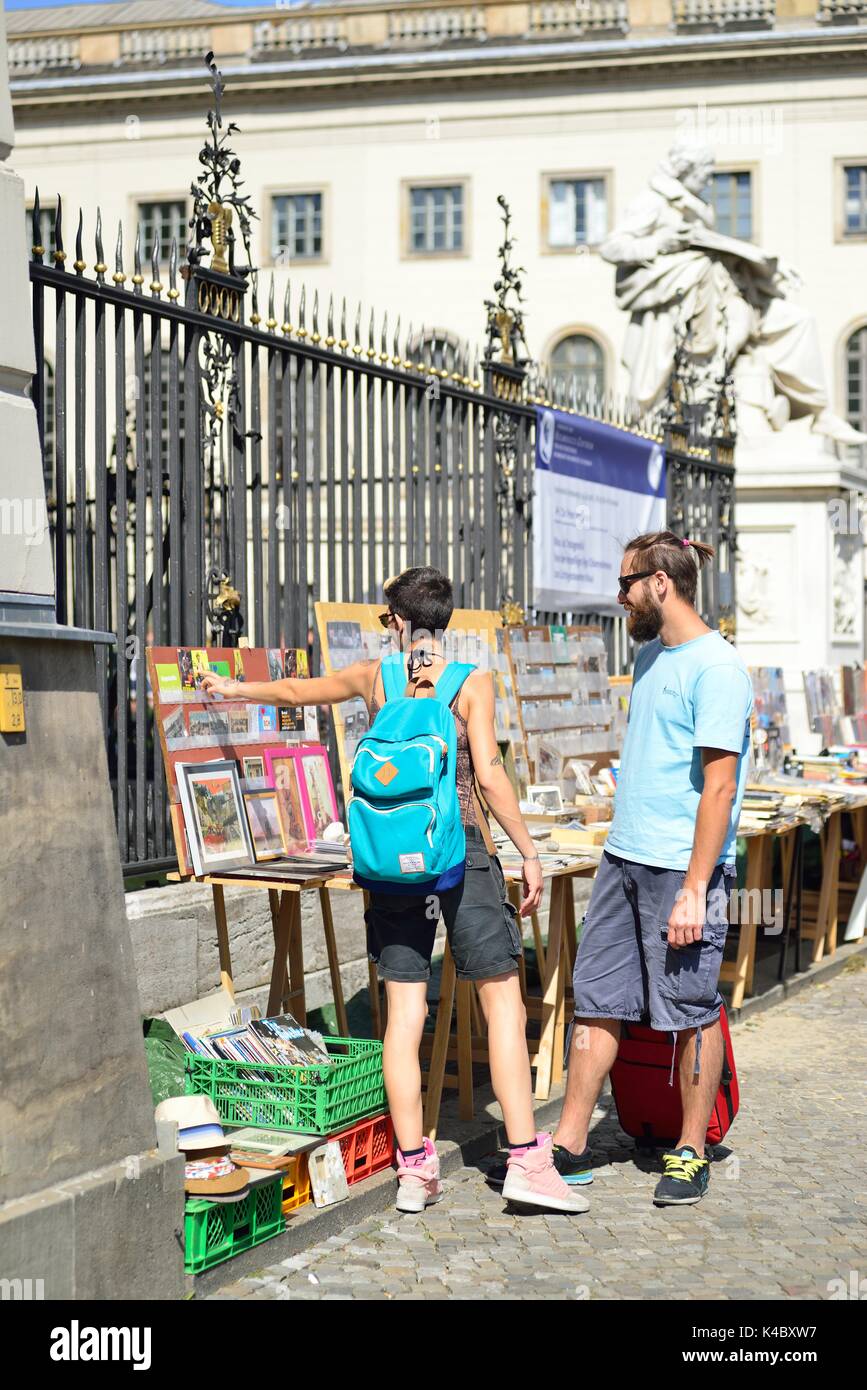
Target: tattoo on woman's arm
x,y
497,761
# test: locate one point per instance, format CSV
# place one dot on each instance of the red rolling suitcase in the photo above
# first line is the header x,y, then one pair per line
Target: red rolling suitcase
x,y
647,1107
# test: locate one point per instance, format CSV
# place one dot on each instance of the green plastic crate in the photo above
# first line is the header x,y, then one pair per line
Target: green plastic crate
x,y
302,1100
215,1231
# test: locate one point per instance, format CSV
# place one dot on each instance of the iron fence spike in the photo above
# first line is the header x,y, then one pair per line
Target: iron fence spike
x,y
100,249
79,264
37,249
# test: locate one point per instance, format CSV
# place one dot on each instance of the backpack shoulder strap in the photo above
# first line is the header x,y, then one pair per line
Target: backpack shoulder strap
x,y
451,680
393,676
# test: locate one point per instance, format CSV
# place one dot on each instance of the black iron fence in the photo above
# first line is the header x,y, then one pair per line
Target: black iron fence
x,y
213,466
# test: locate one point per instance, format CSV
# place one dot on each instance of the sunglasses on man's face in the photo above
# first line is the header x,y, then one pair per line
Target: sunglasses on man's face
x,y
627,580
387,618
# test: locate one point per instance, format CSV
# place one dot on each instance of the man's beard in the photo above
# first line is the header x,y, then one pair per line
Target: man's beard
x,y
645,623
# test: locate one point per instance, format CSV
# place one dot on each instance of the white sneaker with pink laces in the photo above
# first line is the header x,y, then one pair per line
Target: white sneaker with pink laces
x,y
533,1181
418,1179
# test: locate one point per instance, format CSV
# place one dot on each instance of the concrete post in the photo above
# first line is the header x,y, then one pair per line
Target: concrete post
x,y
88,1206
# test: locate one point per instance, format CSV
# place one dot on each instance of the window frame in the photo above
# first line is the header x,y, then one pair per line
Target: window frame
x,y
136,201
841,236
407,186
738,166
581,330
547,177
856,325
289,190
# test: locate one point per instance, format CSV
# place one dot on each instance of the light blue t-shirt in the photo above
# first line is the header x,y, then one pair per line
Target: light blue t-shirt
x,y
697,695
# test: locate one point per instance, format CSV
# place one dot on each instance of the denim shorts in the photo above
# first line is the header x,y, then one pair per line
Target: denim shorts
x,y
625,968
481,923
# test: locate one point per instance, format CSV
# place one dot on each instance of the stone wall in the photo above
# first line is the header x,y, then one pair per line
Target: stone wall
x,y
174,942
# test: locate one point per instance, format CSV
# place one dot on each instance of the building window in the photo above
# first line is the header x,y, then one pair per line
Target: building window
x,y
855,199
856,379
437,349
296,227
169,219
578,367
731,197
436,219
577,212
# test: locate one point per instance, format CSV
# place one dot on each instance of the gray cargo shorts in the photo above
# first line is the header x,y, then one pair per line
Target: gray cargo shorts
x,y
625,968
482,924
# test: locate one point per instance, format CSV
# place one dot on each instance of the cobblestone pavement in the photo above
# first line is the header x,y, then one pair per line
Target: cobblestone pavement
x,y
786,1213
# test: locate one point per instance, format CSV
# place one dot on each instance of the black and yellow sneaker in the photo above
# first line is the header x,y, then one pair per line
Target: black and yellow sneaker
x,y
574,1169
685,1180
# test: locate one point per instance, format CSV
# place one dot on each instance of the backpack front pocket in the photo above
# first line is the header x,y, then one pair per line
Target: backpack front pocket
x,y
395,843
397,771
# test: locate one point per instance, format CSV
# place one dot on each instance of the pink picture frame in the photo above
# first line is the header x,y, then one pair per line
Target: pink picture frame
x,y
283,773
314,782
317,789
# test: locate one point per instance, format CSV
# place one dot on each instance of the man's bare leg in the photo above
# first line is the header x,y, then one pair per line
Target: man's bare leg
x,y
698,1093
591,1056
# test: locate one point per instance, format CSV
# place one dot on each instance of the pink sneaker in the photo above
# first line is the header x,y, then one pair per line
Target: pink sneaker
x,y
533,1181
418,1181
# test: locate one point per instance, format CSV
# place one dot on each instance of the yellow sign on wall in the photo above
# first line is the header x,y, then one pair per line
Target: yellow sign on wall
x,y
11,700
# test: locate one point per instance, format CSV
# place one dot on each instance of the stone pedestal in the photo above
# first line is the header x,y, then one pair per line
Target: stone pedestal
x,y
800,574
88,1209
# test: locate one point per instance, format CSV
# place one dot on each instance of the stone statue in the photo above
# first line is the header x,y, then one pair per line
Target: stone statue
x,y
676,273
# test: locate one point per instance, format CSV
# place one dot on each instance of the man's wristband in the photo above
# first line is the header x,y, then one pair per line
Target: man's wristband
x,y
529,858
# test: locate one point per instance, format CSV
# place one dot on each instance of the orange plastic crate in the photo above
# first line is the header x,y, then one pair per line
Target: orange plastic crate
x,y
367,1147
296,1184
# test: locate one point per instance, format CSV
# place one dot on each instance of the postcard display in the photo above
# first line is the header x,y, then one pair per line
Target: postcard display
x,y
770,721
837,704
824,704
350,632
561,681
248,783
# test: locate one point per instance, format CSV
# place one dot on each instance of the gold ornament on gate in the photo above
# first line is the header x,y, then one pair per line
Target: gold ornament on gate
x,y
505,322
221,221
228,598
511,613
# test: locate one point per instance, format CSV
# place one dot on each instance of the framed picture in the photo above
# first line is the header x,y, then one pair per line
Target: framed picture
x,y
214,816
219,725
199,722
282,771
254,769
266,826
239,721
547,796
173,723
317,789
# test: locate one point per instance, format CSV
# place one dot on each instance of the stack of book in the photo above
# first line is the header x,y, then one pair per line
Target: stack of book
x,y
268,1042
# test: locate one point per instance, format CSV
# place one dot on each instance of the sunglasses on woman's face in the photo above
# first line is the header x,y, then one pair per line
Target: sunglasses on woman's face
x,y
387,618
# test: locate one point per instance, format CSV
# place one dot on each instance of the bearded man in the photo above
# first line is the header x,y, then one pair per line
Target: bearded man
x,y
655,930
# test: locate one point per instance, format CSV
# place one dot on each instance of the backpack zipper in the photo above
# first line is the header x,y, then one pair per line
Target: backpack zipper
x,y
385,757
389,810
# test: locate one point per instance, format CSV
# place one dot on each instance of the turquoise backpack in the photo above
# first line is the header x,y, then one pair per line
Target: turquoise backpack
x,y
404,817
